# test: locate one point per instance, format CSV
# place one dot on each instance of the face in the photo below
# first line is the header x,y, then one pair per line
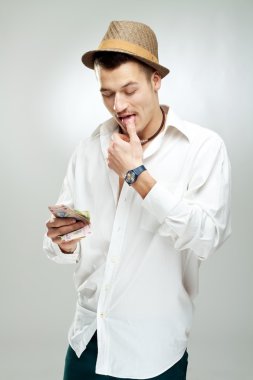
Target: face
x,y
127,93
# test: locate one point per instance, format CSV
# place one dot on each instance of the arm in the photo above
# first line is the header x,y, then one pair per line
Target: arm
x,y
55,249
201,220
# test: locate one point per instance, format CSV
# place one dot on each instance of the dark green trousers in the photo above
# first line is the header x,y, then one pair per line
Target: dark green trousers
x,y
83,368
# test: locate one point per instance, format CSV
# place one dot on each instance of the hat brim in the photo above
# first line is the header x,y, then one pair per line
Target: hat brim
x,y
88,60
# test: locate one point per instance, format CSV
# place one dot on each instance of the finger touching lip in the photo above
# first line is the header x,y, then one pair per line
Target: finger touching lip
x,y
127,119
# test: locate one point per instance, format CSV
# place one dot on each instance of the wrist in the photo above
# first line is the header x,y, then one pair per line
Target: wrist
x,y
132,175
67,249
144,184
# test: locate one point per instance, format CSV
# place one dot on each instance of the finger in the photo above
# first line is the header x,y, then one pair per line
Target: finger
x,y
131,130
111,153
118,137
55,232
68,243
58,222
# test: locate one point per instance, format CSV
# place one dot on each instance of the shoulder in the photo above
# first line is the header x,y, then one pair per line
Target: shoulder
x,y
200,134
207,146
196,134
204,143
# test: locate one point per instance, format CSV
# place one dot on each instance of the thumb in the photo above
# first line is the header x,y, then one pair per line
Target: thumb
x,y
123,137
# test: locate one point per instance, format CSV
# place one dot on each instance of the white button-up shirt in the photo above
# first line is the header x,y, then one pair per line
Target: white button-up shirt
x,y
137,273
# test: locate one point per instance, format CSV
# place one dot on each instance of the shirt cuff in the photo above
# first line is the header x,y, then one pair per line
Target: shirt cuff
x,y
69,257
54,252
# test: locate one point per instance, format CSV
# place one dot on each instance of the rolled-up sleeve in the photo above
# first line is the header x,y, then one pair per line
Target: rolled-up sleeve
x,y
55,254
201,219
66,197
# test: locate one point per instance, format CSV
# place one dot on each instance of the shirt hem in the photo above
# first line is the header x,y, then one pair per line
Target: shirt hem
x,y
142,376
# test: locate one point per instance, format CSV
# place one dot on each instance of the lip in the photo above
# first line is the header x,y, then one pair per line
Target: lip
x,y
123,118
125,115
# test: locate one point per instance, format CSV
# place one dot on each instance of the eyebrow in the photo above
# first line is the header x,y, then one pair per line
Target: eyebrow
x,y
124,86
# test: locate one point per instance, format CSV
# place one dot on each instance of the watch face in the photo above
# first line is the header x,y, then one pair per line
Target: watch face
x,y
130,177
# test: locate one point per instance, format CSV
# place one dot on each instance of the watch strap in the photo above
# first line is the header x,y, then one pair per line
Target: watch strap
x,y
139,170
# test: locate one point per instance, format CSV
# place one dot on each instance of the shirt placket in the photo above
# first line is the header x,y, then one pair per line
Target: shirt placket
x,y
115,253
112,264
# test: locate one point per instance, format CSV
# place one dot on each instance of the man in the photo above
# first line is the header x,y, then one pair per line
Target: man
x,y
158,192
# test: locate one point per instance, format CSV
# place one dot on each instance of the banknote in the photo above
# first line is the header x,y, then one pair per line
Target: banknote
x,y
63,211
81,233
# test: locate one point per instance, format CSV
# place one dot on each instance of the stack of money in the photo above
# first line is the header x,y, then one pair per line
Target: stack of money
x,y
62,211
81,233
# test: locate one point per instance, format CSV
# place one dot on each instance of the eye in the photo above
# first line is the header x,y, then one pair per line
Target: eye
x,y
107,94
130,92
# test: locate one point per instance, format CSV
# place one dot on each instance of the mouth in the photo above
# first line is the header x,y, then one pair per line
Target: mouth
x,y
125,119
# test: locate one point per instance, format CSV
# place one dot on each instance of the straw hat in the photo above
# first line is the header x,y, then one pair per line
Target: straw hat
x,y
129,37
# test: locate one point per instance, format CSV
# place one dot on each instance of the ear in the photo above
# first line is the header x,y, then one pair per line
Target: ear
x,y
156,81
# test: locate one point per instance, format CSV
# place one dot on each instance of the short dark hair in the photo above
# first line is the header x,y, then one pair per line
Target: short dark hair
x,y
112,60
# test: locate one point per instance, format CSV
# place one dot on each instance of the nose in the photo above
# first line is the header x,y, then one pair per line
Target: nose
x,y
120,103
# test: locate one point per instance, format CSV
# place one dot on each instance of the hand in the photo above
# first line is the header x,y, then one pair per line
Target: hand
x,y
125,153
61,226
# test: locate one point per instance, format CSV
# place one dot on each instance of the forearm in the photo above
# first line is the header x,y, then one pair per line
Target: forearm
x,y
197,221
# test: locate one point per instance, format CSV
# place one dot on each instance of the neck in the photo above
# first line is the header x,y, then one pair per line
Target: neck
x,y
154,127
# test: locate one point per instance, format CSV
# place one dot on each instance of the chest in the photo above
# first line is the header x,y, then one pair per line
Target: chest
x,y
120,184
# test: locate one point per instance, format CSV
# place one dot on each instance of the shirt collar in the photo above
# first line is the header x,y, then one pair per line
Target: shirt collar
x,y
174,121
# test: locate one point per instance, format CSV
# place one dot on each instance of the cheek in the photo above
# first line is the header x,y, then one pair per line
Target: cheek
x,y
145,103
144,98
108,104
140,102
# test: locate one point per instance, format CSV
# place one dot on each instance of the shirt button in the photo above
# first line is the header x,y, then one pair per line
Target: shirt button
x,y
114,259
107,287
102,315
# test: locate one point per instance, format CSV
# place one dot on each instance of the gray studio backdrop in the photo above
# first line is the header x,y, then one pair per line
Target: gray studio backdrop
x,y
49,101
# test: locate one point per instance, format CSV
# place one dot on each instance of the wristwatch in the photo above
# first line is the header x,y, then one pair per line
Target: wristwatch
x,y
132,175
